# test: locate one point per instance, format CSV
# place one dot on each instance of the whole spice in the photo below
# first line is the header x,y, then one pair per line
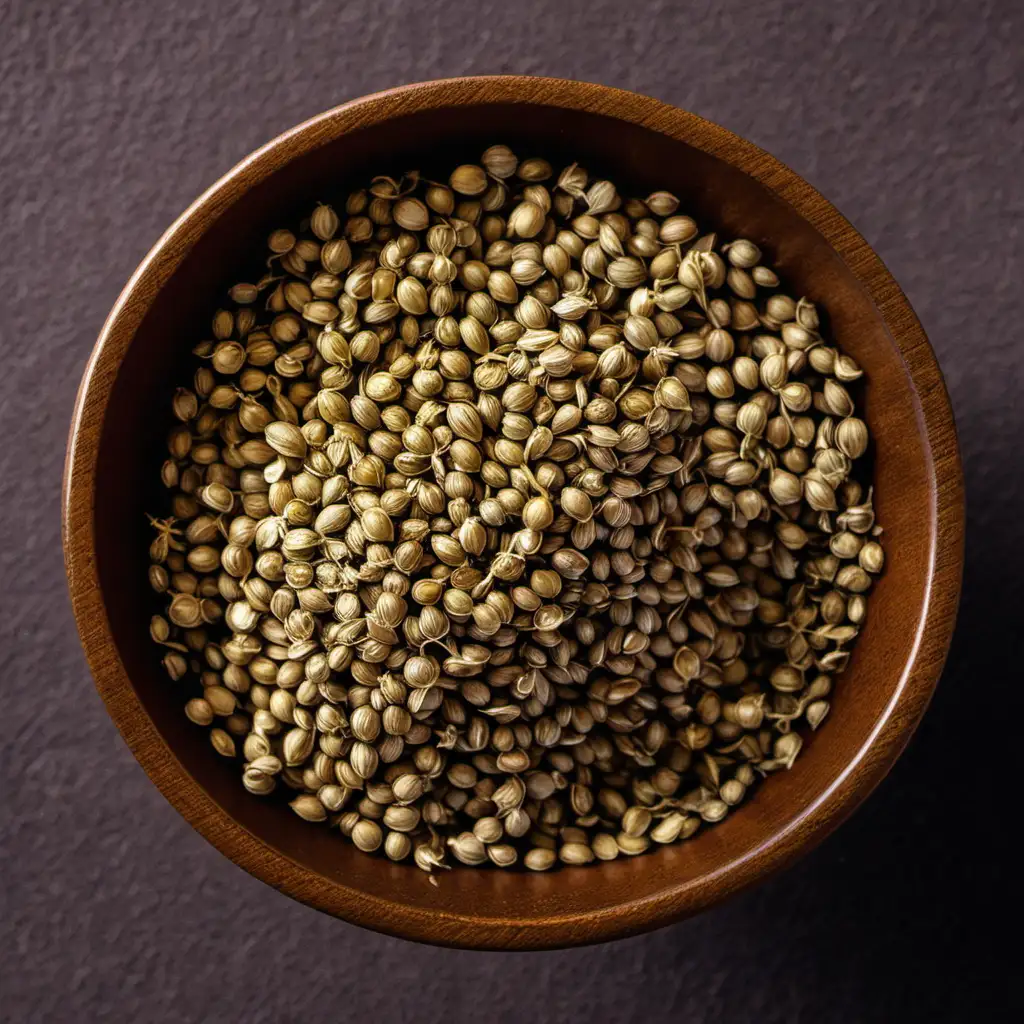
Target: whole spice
x,y
512,521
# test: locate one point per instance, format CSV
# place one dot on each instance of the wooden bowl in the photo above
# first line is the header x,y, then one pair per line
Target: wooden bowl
x,y
115,451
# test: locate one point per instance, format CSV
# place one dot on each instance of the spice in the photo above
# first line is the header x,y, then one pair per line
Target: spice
x,y
512,521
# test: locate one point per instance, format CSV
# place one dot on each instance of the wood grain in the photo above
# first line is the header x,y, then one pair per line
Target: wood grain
x,y
114,450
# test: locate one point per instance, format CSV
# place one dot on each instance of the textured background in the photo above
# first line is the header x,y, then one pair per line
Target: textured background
x,y
113,116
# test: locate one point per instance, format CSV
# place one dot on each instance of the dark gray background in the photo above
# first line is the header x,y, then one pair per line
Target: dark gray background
x,y
114,116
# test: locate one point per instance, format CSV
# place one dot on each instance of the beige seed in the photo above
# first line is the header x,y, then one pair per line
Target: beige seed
x,y
199,711
383,387
220,700
852,437
632,845
499,161
488,830
464,421
526,220
513,761
367,835
447,549
502,855
668,829
421,672
402,819
468,179
324,223
396,720
365,723
540,859
538,514
569,563
411,214
222,742
575,853
576,503
636,821
364,759
309,808
468,849
397,846
377,525
871,557
545,583
298,745
411,296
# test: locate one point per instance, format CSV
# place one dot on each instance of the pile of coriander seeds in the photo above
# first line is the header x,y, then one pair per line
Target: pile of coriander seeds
x,y
512,521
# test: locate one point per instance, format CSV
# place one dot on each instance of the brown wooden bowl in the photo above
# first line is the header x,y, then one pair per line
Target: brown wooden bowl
x,y
143,350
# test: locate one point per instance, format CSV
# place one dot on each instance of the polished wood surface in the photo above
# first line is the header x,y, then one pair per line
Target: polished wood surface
x,y
114,453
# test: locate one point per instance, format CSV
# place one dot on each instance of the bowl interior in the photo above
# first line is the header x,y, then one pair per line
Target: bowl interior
x,y
639,160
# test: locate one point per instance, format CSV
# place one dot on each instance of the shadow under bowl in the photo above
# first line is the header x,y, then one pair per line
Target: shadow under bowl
x,y
116,447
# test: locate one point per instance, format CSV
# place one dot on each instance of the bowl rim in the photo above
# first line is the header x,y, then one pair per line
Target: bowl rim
x,y
825,811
